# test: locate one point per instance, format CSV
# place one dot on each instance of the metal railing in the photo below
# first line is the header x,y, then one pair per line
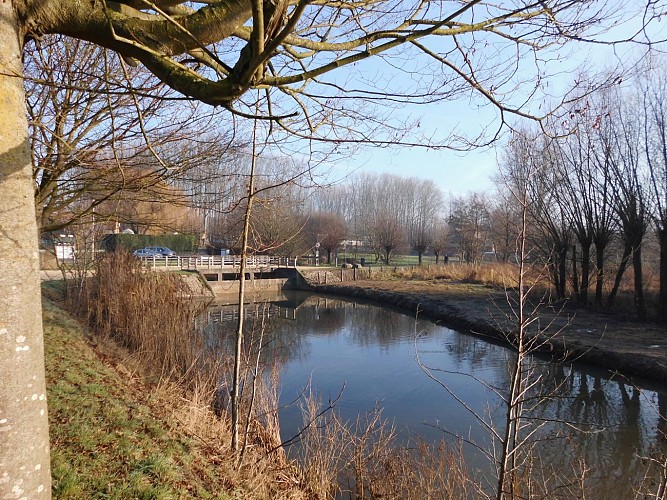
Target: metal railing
x,y
216,262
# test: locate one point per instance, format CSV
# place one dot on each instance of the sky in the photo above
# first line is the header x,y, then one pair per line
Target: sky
x,y
458,173
455,173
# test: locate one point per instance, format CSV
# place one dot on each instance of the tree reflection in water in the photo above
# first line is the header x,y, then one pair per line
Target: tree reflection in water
x,y
603,421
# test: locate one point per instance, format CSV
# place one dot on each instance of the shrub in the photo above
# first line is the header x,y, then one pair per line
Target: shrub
x,y
179,243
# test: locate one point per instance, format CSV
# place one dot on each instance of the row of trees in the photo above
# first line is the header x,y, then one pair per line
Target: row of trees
x,y
389,213
385,211
100,157
597,186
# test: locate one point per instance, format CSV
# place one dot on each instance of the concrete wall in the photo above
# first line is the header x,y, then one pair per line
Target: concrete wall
x,y
232,286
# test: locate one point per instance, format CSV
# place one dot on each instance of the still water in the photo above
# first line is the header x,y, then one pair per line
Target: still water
x,y
377,356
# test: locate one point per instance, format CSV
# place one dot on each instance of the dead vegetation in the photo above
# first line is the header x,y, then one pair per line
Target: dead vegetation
x,y
143,329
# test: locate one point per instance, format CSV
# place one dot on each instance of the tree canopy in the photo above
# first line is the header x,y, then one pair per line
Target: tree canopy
x,y
215,51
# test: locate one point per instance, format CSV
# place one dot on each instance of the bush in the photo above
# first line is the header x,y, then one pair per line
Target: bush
x,y
179,243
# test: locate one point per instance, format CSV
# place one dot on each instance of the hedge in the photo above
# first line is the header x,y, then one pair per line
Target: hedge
x,y
179,243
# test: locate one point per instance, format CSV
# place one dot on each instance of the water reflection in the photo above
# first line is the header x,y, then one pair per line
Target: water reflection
x,y
609,423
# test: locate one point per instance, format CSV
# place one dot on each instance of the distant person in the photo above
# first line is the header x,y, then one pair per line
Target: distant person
x,y
446,258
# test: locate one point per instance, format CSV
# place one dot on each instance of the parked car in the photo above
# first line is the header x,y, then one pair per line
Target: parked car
x,y
146,252
163,251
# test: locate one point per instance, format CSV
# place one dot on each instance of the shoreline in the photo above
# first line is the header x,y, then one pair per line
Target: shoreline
x,y
629,348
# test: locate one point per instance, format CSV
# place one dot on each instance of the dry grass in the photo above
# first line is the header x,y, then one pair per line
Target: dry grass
x,y
144,320
360,460
426,472
148,314
115,436
502,276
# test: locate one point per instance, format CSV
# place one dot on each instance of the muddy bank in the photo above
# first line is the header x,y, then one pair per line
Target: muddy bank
x,y
629,348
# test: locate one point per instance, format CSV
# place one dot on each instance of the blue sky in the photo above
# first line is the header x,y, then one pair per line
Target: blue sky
x,y
455,172
458,172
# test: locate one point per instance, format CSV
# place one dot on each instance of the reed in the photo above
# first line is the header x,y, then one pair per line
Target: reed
x,y
497,275
149,314
362,460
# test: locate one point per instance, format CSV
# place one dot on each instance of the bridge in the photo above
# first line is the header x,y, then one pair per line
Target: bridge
x,y
217,263
221,272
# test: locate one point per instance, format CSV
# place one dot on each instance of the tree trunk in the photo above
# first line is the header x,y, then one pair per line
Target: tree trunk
x,y
585,271
575,273
599,272
24,452
562,271
420,253
640,303
238,351
662,297
619,274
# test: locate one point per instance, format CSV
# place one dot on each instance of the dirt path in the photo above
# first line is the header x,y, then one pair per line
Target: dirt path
x,y
627,347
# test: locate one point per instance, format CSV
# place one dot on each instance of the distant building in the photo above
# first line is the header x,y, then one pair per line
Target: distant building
x,y
61,244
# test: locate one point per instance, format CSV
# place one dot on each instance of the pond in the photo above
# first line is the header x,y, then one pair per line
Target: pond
x,y
376,356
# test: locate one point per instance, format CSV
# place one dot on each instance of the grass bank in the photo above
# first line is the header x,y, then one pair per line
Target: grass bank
x,y
115,436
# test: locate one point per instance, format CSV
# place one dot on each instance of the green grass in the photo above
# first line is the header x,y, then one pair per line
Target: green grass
x,y
106,442
396,259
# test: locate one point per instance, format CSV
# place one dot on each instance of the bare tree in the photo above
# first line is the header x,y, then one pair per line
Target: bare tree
x,y
383,205
621,137
594,181
440,241
427,202
97,140
503,221
277,227
469,226
572,161
327,229
585,189
237,46
548,231
387,235
654,120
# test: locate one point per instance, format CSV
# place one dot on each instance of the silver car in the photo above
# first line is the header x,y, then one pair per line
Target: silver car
x,y
146,252
163,251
